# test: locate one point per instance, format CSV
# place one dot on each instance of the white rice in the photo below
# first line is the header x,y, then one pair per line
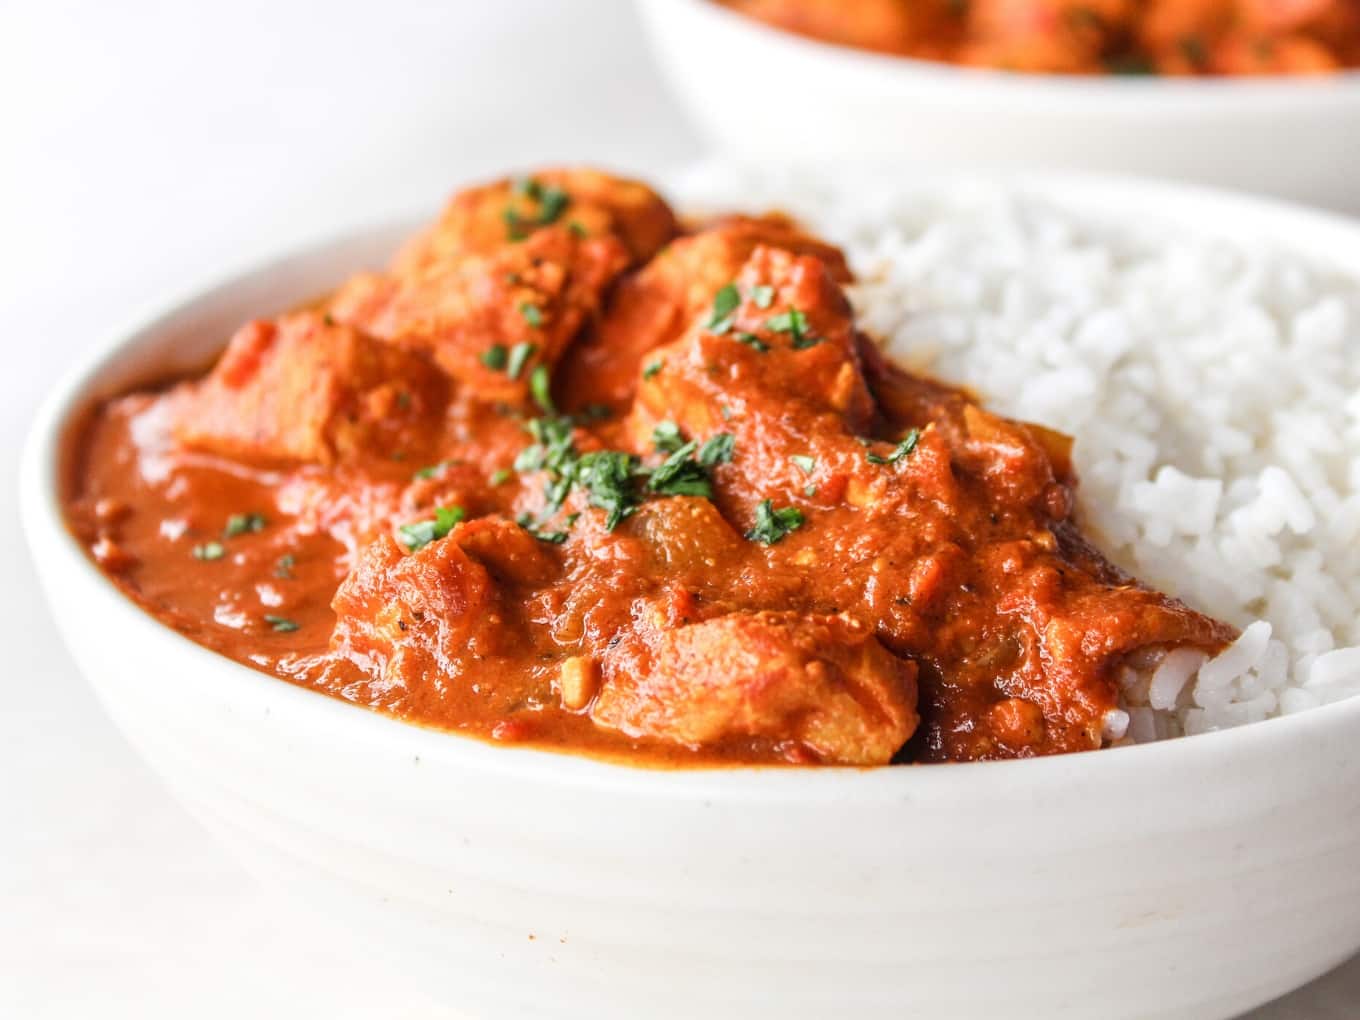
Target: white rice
x,y
1213,385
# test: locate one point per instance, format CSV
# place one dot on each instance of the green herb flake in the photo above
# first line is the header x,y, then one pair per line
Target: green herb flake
x,y
494,357
540,386
652,369
499,477
681,475
725,304
576,229
717,450
804,463
419,534
434,470
281,624
726,412
519,356
533,315
809,491
283,568
794,323
241,524
762,295
752,341
666,437
902,449
209,551
552,201
772,525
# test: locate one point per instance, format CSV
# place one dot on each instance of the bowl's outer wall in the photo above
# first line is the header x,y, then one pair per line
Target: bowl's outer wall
x,y
766,94
1193,879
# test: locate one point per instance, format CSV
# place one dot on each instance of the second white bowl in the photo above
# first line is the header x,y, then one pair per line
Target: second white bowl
x,y
763,93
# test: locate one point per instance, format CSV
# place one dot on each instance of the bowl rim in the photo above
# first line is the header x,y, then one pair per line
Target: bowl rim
x,y
51,544
1153,96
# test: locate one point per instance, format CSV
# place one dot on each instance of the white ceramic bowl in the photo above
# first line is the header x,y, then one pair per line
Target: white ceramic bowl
x,y
1194,878
761,92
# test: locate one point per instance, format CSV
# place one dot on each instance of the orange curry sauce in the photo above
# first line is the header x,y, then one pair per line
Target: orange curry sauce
x,y
567,475
1172,37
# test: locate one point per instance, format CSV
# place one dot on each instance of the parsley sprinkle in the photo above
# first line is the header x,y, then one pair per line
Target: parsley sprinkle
x,y
902,449
576,229
681,475
652,369
666,437
725,304
726,412
810,491
284,567
419,534
280,623
772,525
209,551
804,463
519,355
240,524
434,470
751,340
552,202
718,450
499,477
762,295
540,385
533,315
794,323
494,357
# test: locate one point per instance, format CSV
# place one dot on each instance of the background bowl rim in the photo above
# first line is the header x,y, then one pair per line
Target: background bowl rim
x,y
50,543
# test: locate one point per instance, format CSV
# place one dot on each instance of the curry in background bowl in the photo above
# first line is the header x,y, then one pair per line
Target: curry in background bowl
x,y
1164,37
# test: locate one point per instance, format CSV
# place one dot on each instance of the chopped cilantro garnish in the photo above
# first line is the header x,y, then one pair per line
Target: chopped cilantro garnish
x,y
280,623
552,202
499,477
540,386
794,323
608,476
434,470
533,315
718,450
527,522
652,369
209,551
681,475
494,357
762,295
725,303
772,525
804,463
666,437
751,340
519,355
576,229
726,412
809,491
902,449
284,567
419,534
240,524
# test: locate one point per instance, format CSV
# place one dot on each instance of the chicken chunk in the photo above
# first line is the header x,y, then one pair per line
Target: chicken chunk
x,y
820,683
303,388
658,303
478,221
471,315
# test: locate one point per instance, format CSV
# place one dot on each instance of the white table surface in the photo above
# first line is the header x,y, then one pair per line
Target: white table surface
x,y
142,147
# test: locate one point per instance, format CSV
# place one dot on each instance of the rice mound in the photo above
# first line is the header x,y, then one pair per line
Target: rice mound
x,y
1212,385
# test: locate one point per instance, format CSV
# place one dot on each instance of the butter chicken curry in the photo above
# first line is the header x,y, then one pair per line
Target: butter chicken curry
x,y
569,474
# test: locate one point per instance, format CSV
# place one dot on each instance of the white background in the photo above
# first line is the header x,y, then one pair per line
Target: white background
x,y
143,148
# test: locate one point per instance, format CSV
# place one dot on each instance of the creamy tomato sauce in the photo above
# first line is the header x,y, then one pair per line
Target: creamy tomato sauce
x,y
571,475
